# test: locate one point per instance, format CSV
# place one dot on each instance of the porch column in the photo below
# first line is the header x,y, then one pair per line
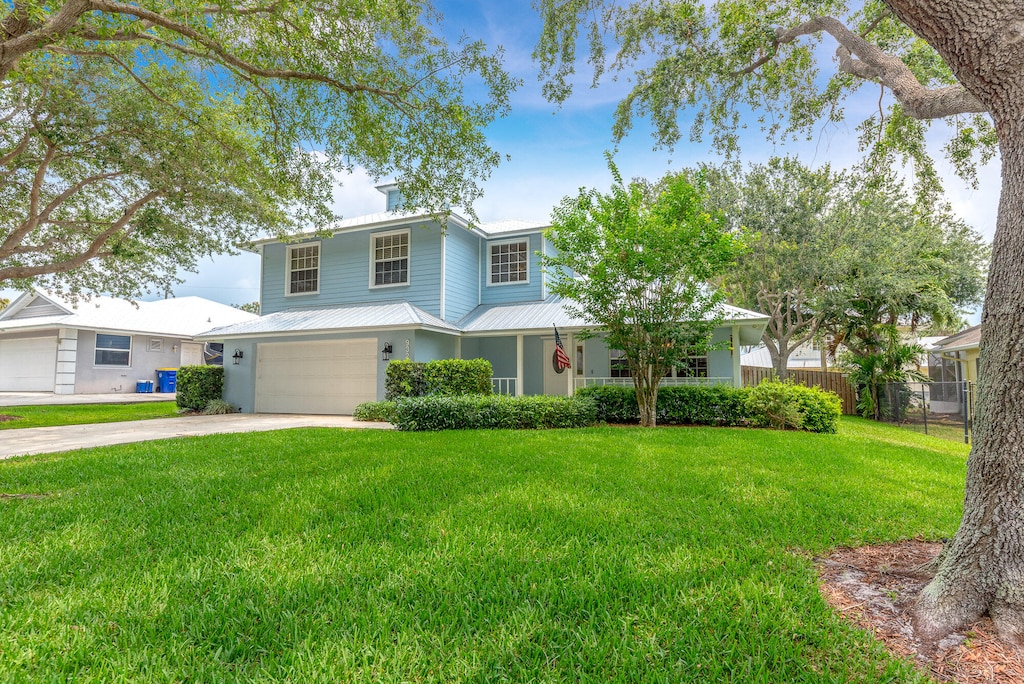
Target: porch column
x,y
519,365
571,370
737,372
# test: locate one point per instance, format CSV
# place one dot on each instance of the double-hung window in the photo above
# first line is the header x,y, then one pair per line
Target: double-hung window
x,y
618,363
113,350
390,257
509,262
693,367
304,268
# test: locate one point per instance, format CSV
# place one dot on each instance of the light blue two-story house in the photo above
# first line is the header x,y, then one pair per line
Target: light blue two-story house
x,y
398,285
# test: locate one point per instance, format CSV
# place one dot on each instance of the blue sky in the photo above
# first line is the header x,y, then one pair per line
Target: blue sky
x,y
555,152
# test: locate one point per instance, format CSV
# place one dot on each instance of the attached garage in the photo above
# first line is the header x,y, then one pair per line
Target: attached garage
x,y
329,377
28,364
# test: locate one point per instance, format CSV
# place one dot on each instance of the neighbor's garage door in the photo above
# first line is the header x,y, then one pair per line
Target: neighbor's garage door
x,y
28,365
315,377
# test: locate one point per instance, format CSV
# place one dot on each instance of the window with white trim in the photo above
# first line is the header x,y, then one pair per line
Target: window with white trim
x,y
693,367
113,350
304,268
618,364
390,259
509,262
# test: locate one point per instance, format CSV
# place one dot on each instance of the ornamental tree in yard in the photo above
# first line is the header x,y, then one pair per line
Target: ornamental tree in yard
x,y
637,262
961,61
136,138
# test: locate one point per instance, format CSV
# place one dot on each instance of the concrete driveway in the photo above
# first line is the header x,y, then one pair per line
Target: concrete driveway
x,y
51,399
45,440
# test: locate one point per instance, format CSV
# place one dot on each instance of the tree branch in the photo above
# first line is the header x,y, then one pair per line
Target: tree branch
x,y
93,250
863,59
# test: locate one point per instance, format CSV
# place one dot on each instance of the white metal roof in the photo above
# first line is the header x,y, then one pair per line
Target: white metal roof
x,y
177,317
396,314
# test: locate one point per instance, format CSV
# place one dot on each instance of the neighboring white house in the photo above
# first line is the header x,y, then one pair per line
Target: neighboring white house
x,y
103,345
814,356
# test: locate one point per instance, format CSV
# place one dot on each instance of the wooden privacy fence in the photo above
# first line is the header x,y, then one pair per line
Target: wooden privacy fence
x,y
827,380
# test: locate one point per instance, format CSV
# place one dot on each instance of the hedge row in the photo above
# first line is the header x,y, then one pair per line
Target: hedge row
x,y
377,411
448,377
474,412
780,405
197,386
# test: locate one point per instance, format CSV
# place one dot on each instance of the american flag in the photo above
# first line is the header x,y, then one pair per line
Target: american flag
x,y
561,358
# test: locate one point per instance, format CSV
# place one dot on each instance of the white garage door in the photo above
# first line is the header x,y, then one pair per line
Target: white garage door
x,y
28,365
315,377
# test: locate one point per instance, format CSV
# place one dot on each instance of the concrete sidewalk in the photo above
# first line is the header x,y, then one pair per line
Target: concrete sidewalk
x,y
51,399
47,440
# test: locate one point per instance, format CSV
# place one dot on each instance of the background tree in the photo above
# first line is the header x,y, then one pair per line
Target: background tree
x,y
637,262
929,59
137,138
785,211
251,307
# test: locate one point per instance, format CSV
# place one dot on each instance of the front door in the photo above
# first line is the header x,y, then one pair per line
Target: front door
x,y
555,382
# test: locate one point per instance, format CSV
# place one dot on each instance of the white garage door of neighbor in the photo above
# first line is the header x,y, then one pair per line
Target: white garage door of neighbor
x,y
315,377
28,365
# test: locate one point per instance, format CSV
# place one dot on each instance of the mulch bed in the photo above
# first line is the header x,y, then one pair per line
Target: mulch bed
x,y
874,587
4,418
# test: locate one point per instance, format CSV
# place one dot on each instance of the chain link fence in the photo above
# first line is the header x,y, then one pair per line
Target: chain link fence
x,y
941,409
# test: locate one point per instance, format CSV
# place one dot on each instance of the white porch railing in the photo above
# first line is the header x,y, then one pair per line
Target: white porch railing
x,y
505,386
665,382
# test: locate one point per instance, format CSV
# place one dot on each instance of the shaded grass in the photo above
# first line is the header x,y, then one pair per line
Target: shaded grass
x,y
607,554
80,414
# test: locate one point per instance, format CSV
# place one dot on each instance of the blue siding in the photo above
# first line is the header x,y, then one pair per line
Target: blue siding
x,y
394,200
434,346
516,292
462,267
345,273
720,360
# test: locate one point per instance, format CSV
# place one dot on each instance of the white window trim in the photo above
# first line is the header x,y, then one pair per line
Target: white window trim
x,y
707,363
288,268
95,340
510,241
373,260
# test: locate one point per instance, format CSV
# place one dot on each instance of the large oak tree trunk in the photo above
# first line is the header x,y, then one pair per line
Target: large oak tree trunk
x,y
982,569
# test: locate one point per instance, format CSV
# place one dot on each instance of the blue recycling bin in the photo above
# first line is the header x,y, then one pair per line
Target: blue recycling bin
x,y
144,387
166,379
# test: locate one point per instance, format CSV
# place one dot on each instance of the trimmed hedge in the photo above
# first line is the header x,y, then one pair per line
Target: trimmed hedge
x,y
677,405
475,412
197,386
447,377
377,411
783,405
770,404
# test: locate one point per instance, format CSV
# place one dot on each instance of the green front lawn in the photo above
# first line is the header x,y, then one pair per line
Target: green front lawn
x,y
607,554
78,414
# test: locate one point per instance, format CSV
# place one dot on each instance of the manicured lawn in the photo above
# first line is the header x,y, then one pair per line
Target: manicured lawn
x,y
78,414
608,554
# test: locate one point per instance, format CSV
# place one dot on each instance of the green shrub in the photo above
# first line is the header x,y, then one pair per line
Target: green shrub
x,y
677,405
473,412
377,411
447,377
197,386
783,405
218,407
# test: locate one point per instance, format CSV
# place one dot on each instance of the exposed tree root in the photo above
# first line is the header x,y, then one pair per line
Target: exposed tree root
x,y
876,587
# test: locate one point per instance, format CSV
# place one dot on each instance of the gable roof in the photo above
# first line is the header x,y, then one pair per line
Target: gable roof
x,y
177,317
396,314
965,339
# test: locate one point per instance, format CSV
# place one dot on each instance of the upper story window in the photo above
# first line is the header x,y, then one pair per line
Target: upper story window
x,y
113,350
304,268
509,262
390,258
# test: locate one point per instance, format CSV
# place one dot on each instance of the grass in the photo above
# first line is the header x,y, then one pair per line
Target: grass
x,y
78,414
607,554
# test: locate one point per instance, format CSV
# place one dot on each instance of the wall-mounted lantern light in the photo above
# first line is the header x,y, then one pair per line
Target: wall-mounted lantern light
x,y
237,356
386,351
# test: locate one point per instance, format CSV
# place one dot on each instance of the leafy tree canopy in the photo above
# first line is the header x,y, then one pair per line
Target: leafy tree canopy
x,y
700,69
137,138
637,261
